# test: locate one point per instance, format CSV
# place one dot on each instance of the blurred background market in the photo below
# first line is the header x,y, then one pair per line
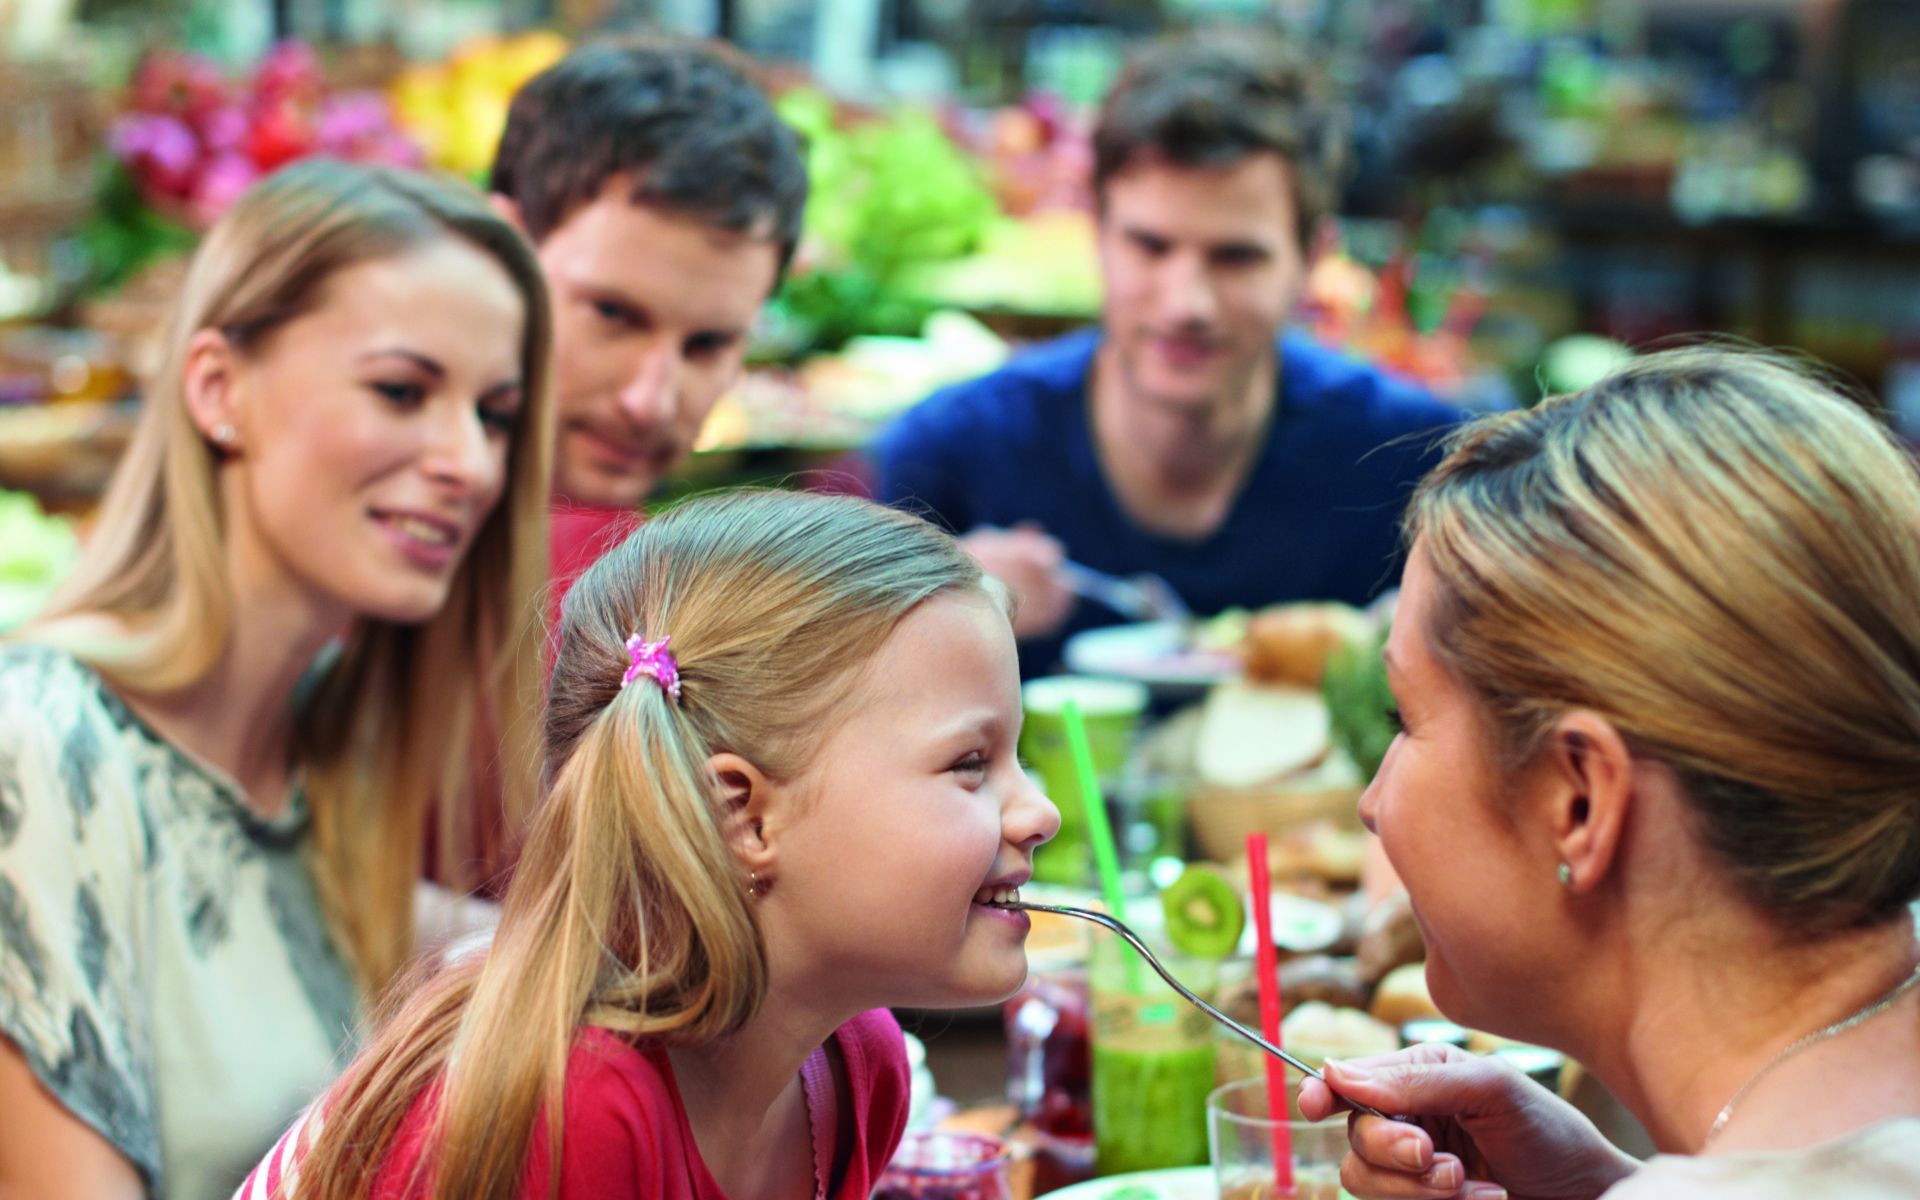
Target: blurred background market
x,y
1539,185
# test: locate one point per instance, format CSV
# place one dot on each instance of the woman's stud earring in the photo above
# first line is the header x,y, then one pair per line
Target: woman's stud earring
x,y
1565,875
223,434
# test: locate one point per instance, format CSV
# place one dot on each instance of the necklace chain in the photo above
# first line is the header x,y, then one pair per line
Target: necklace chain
x,y
1819,1035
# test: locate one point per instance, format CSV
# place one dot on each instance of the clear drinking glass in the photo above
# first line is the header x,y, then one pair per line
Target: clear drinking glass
x,y
1240,1141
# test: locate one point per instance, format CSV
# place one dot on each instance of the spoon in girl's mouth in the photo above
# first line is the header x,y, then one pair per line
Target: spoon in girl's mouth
x,y
1133,939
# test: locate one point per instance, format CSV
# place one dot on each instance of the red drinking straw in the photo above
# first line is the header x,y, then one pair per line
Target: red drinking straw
x,y
1267,970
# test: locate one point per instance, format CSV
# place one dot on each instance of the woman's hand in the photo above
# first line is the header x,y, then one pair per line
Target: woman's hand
x,y
1478,1130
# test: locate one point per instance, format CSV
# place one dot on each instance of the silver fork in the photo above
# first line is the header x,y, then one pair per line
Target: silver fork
x,y
1144,597
1133,939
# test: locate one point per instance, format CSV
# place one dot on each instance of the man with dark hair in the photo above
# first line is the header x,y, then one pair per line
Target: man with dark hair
x,y
664,197
1192,435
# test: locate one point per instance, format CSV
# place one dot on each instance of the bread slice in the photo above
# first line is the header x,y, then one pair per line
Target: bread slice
x,y
1253,734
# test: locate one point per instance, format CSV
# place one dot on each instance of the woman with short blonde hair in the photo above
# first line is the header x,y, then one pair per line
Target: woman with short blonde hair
x,y
1657,798
319,561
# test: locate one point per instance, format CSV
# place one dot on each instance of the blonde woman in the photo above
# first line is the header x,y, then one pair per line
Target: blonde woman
x,y
783,796
1657,799
217,745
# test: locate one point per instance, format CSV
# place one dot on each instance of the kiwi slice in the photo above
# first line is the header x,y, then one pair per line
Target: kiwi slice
x,y
1204,913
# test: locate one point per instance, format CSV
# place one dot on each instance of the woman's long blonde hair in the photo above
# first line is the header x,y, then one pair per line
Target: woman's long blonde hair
x,y
386,729
628,910
1720,554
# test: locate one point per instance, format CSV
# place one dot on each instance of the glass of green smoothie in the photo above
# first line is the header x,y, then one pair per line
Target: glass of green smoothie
x,y
1153,1058
1111,709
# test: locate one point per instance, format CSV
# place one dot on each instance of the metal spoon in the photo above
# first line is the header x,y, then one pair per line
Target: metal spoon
x,y
1133,939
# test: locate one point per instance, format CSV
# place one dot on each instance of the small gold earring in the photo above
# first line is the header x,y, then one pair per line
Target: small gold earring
x,y
1565,874
753,884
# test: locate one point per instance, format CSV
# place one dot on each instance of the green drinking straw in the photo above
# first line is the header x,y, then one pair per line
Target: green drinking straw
x,y
1106,859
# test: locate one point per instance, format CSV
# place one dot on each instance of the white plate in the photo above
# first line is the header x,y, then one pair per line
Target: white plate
x,y
1175,1183
1300,925
1153,652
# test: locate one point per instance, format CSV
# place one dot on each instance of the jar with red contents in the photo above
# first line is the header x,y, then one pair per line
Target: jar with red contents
x,y
1049,1073
936,1165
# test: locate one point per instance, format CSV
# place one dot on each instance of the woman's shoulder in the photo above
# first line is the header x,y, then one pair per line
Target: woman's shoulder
x,y
60,729
1879,1162
38,680
50,696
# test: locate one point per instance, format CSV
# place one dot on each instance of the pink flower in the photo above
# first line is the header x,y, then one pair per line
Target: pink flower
x,y
225,178
184,85
290,71
160,150
224,128
351,119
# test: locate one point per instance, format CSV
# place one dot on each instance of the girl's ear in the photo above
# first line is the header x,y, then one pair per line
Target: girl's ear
x,y
745,796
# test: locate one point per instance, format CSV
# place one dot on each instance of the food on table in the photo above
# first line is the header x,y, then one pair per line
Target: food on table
x,y
1291,643
1314,978
1224,633
1317,1032
1053,936
1389,938
1251,734
1402,996
1331,981
1325,850
1204,914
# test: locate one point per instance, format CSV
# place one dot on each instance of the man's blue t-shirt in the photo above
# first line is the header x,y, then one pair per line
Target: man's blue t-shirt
x,y
1318,518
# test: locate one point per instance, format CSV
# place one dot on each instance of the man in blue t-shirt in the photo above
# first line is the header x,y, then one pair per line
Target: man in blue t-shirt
x,y
1192,435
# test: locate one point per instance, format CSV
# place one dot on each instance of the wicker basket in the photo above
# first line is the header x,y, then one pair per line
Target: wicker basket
x,y
1222,818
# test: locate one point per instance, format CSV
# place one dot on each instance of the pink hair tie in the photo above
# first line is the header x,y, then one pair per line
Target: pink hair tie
x,y
652,658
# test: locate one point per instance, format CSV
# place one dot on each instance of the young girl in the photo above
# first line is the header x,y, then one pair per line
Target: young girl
x,y
210,823
782,793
